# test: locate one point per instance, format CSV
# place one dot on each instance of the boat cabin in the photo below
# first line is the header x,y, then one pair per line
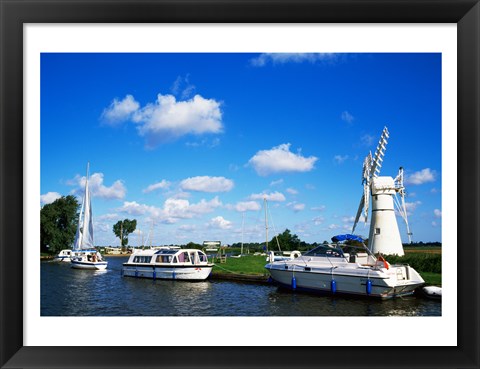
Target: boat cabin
x,y
351,253
169,256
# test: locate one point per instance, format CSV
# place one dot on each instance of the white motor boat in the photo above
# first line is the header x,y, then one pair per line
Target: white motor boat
x,y
63,256
432,292
167,263
84,254
345,269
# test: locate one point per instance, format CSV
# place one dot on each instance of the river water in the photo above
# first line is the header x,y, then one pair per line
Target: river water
x,y
72,292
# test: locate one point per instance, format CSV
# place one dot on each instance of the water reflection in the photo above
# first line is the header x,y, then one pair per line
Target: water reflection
x,y
73,292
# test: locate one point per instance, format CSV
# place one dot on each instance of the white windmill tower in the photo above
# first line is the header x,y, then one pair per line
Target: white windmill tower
x,y
384,235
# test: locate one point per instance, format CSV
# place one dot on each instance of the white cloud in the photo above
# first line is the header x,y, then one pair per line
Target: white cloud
x,y
116,191
183,87
411,206
281,159
296,206
437,213
207,184
283,58
134,208
276,183
367,140
187,227
162,185
120,111
424,176
182,209
347,117
220,223
49,197
348,219
173,209
333,226
292,191
179,195
109,216
339,159
168,119
272,196
319,208
247,206
318,220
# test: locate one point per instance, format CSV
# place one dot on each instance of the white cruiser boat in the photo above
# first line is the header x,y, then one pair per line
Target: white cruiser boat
x,y
84,254
167,263
63,256
345,269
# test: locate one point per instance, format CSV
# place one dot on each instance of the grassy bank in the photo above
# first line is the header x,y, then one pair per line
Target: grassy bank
x,y
251,265
432,279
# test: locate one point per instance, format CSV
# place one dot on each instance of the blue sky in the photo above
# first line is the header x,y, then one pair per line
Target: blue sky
x,y
190,144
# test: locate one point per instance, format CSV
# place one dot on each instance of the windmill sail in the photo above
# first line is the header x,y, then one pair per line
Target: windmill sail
x,y
84,235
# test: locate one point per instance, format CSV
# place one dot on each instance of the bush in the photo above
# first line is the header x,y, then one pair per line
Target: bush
x,y
421,262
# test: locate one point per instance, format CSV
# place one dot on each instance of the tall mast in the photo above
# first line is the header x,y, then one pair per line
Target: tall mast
x,y
266,222
243,228
85,199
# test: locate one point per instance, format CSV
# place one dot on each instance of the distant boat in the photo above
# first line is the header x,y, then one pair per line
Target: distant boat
x,y
168,263
63,256
285,255
84,255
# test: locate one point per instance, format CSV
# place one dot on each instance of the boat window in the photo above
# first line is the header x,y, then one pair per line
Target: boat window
x,y
142,259
183,257
202,257
377,230
164,258
325,251
174,260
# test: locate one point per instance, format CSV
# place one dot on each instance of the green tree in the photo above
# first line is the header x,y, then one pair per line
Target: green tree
x,y
58,224
287,241
122,229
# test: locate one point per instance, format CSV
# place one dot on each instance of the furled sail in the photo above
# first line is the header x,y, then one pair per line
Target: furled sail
x,y
84,235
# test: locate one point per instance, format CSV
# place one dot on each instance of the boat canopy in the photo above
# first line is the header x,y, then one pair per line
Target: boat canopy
x,y
347,237
167,252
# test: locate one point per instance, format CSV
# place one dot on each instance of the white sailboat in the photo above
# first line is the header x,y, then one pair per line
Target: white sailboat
x,y
84,254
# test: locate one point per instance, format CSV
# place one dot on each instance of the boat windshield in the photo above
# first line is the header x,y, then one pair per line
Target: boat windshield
x,y
325,250
166,252
352,250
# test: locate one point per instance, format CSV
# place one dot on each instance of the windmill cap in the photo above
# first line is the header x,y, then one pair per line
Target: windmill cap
x,y
383,185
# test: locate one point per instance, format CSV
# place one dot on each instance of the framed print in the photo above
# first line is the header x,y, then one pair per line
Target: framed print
x,y
55,55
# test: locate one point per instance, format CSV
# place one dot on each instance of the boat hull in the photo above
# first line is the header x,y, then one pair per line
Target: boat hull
x,y
89,265
190,272
365,283
62,259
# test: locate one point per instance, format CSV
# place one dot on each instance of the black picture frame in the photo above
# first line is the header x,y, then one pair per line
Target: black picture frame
x,y
14,14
